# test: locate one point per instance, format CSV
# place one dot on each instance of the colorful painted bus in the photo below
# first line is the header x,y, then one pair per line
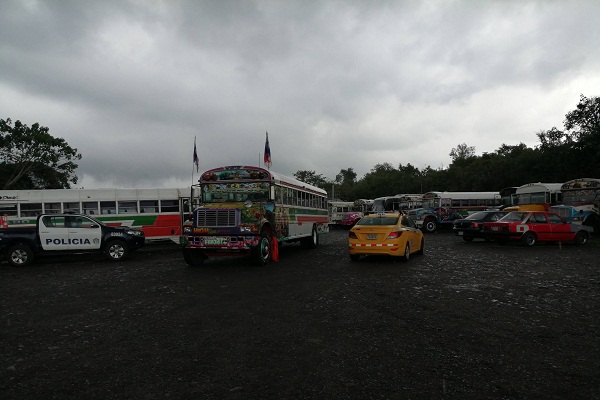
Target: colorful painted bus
x,y
442,208
156,211
249,211
536,197
580,202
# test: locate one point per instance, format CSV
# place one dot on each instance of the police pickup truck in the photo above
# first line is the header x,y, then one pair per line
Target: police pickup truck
x,y
68,233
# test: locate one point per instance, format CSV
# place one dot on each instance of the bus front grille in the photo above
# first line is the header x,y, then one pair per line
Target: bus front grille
x,y
214,218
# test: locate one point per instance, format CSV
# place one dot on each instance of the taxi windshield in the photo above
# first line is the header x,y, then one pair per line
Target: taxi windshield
x,y
378,221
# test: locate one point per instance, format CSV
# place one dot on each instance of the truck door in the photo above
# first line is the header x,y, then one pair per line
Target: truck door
x,y
54,235
84,233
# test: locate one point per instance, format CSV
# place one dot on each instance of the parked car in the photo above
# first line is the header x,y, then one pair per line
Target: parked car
x,y
472,226
532,226
68,233
350,219
392,234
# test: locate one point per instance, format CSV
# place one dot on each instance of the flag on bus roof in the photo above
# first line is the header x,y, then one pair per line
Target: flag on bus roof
x,y
267,156
196,160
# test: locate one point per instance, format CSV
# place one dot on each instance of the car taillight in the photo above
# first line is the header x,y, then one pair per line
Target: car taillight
x,y
475,225
395,235
352,235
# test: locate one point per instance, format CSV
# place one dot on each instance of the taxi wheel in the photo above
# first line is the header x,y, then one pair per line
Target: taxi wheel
x,y
422,247
529,239
406,255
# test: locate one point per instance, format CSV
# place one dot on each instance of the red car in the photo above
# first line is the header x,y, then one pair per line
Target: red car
x,y
532,226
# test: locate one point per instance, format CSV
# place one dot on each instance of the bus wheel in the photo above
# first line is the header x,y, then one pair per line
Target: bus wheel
x,y
354,257
430,225
312,241
193,258
581,238
116,250
19,255
262,252
529,239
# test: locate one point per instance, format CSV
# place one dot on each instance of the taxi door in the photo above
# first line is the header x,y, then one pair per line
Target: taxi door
x,y
54,235
84,233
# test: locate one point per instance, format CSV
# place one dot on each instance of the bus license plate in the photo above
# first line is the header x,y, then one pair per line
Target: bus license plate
x,y
215,240
371,236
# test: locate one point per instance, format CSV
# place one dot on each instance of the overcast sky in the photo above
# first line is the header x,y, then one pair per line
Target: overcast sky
x,y
337,84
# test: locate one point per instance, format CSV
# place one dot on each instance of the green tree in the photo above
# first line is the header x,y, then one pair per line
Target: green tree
x,y
31,158
311,177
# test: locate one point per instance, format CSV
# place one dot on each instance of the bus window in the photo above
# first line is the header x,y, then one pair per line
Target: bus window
x,y
8,209
149,206
74,207
108,207
31,210
90,207
127,207
52,208
169,206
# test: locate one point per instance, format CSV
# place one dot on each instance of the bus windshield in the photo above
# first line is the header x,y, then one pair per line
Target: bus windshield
x,y
225,192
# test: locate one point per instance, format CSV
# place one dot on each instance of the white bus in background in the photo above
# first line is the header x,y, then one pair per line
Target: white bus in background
x,y
338,210
536,197
156,211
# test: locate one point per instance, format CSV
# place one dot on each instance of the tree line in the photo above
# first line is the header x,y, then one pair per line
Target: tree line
x,y
561,155
31,158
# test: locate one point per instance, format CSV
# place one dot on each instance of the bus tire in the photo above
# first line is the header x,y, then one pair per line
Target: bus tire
x,y
262,252
581,238
116,250
19,255
529,239
312,241
430,225
354,257
193,258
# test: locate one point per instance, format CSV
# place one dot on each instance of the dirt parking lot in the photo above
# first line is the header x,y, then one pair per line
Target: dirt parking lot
x,y
465,321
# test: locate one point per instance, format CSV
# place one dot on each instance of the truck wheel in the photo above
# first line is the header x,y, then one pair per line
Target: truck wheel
x,y
193,258
19,255
430,225
116,250
262,252
312,241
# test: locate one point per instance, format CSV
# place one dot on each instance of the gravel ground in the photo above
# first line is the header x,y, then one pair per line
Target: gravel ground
x,y
465,321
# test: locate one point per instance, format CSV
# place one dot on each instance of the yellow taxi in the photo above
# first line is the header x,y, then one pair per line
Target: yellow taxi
x,y
389,233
